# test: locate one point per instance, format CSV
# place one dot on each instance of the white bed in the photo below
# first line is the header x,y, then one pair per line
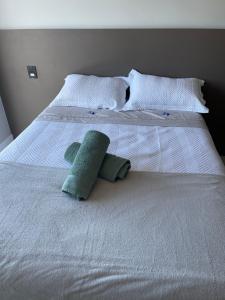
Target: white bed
x,y
142,246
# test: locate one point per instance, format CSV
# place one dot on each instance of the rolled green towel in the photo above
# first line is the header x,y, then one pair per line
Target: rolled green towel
x,y
113,167
86,165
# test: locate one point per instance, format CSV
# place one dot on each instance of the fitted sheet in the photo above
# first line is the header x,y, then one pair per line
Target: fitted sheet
x,y
152,148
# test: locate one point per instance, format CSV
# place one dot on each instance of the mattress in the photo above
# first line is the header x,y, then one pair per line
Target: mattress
x,y
162,148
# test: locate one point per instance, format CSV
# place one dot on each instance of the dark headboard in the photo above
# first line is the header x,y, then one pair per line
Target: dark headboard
x,y
168,52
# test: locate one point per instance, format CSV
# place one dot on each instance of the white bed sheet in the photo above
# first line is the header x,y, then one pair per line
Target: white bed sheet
x,y
150,148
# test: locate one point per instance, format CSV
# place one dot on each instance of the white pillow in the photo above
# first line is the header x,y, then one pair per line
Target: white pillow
x,y
92,92
154,92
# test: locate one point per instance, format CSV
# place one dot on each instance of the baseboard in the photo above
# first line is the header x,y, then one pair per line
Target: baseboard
x,y
6,142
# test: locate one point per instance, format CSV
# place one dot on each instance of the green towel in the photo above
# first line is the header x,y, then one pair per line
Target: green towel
x,y
86,165
113,167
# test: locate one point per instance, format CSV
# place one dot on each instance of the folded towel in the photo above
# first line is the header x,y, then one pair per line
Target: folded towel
x,y
86,165
113,167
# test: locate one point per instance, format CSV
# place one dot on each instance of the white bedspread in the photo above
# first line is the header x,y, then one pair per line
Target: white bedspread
x,y
150,148
151,236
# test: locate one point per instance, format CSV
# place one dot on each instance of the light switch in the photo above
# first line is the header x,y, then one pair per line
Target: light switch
x,y
32,72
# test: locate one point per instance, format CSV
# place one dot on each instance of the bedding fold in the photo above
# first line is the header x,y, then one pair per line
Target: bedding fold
x,y
86,165
112,168
104,116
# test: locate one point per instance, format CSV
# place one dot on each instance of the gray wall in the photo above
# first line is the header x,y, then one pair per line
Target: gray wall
x,y
178,53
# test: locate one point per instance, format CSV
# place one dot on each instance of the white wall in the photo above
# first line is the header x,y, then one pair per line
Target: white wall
x,y
112,14
5,134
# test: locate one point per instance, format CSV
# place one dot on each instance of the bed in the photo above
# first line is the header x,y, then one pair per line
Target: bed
x,y
159,234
